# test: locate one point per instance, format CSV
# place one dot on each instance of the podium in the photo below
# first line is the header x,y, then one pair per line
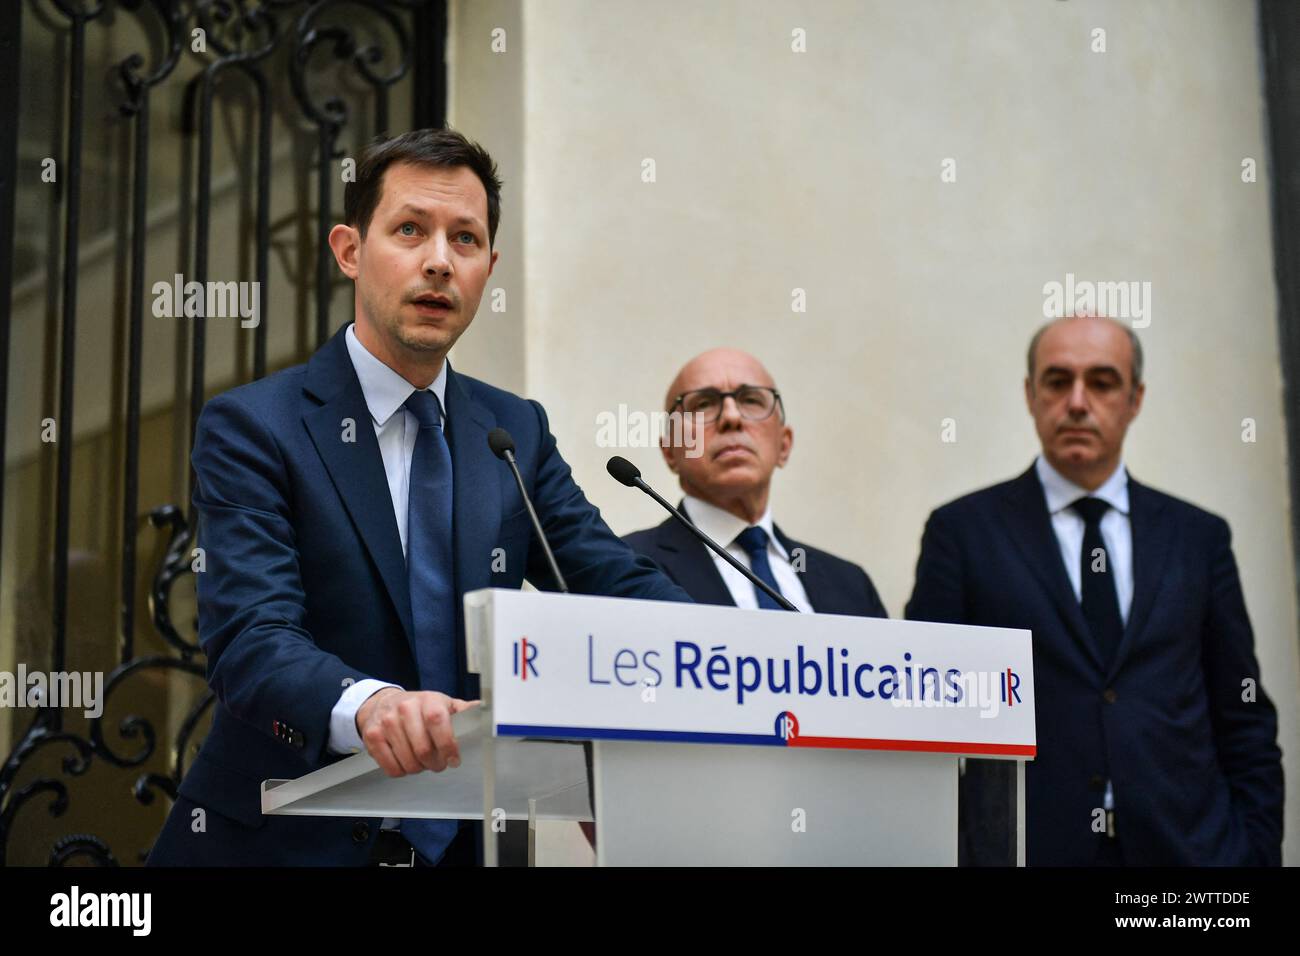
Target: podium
x,y
717,736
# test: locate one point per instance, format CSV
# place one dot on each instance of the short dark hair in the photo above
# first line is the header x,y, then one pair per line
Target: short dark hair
x,y
442,148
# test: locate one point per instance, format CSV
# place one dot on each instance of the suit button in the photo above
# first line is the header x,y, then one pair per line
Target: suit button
x,y
360,832
1109,695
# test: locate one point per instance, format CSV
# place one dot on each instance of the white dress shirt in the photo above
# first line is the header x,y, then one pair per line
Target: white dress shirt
x,y
385,392
1116,528
1116,532
723,527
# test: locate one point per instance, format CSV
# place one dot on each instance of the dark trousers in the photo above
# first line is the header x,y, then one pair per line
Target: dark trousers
x,y
392,849
465,849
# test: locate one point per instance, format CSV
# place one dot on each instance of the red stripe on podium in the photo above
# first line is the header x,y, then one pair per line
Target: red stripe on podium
x,y
921,746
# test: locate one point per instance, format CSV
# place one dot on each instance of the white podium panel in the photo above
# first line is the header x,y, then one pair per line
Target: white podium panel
x,y
717,805
574,667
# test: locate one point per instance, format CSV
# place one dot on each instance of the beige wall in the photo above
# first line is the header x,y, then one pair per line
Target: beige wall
x,y
821,171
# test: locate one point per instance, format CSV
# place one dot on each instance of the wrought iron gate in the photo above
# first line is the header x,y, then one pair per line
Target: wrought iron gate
x,y
129,124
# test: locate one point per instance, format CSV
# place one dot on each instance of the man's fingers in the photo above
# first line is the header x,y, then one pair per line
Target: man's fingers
x,y
417,736
383,755
437,718
395,734
414,733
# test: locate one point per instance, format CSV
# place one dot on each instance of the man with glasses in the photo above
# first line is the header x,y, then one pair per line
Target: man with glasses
x,y
731,420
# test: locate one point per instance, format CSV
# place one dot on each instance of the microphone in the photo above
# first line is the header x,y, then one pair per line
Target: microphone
x,y
503,446
626,473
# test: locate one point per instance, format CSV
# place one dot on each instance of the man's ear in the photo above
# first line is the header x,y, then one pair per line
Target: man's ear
x,y
1029,395
787,443
666,449
1138,394
496,254
345,243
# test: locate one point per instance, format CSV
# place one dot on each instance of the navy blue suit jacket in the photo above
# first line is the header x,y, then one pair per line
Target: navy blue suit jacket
x,y
305,587
1196,770
833,585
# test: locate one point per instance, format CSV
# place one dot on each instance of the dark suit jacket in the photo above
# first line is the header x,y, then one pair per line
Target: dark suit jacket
x,y
1195,769
834,586
306,585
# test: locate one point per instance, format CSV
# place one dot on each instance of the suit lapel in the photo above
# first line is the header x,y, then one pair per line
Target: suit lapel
x,y
1030,527
690,563
356,467
1152,540
816,586
476,476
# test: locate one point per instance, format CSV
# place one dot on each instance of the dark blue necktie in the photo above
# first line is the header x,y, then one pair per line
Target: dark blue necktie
x,y
754,541
433,592
1099,598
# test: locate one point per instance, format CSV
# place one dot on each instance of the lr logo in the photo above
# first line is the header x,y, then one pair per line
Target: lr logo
x,y
1010,688
525,654
787,725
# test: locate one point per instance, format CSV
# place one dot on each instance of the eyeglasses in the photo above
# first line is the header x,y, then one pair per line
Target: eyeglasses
x,y
754,402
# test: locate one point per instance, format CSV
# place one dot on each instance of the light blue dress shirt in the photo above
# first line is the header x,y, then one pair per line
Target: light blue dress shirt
x,y
396,429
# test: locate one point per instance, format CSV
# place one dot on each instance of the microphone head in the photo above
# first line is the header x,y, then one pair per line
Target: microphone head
x,y
500,442
623,471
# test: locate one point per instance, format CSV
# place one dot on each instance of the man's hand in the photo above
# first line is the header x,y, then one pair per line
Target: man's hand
x,y
409,731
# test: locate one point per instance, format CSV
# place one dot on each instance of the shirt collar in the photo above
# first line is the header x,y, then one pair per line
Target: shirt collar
x,y
1061,492
722,526
386,391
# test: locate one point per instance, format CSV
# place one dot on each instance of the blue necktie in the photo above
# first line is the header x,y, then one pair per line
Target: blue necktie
x,y
433,592
754,541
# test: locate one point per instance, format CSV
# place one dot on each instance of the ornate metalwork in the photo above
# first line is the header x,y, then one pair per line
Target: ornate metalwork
x,y
136,105
330,114
243,38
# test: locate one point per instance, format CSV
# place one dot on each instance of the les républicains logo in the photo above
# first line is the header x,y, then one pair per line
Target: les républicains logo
x,y
525,658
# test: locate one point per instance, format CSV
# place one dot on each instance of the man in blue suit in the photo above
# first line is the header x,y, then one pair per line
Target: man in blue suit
x,y
346,505
730,435
1156,741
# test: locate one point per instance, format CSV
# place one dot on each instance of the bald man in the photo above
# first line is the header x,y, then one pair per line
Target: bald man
x,y
725,469
1156,742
